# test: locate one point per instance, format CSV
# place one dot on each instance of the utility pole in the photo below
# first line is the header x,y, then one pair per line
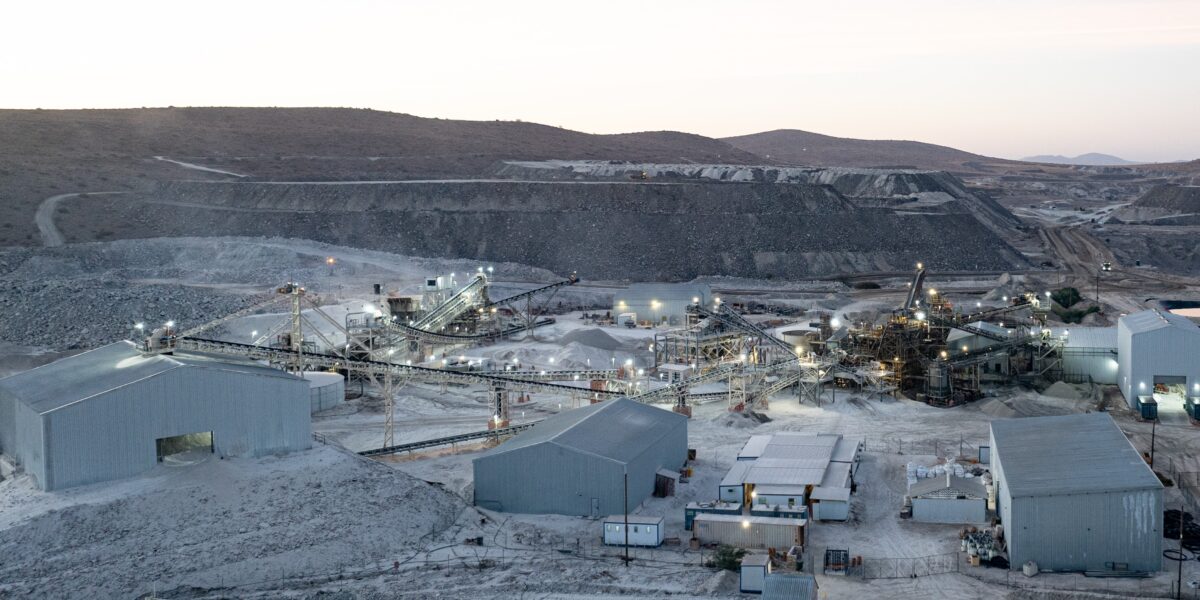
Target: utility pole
x,y
1179,575
627,518
1153,426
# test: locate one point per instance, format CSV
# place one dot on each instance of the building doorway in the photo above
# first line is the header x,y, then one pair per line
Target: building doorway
x,y
186,444
1170,389
1170,392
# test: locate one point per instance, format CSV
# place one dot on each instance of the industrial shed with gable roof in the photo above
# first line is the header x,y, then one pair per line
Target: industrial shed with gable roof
x,y
574,463
1074,495
113,412
1156,356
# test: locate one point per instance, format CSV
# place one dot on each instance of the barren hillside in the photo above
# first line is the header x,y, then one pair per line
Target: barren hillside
x,y
792,146
43,153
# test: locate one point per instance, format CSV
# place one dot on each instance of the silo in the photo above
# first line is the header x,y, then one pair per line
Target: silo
x,y
325,390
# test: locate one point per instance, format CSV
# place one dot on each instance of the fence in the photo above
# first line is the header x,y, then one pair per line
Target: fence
x,y
816,561
897,568
934,447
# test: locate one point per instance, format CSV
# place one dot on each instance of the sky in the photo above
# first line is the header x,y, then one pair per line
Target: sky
x,y
1007,79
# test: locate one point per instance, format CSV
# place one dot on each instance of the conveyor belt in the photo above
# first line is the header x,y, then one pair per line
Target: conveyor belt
x,y
330,361
451,439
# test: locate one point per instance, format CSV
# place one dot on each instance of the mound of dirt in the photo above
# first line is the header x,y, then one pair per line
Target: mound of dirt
x,y
739,420
1063,390
1007,287
997,408
595,338
215,523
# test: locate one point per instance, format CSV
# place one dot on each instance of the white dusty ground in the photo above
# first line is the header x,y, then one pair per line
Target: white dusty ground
x,y
328,524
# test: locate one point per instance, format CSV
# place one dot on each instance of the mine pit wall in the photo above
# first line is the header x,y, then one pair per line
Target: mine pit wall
x,y
604,230
863,186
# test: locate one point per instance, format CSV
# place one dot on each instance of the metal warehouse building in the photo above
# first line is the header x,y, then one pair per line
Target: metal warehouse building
x,y
1089,353
574,463
1074,495
949,499
1157,356
661,302
112,413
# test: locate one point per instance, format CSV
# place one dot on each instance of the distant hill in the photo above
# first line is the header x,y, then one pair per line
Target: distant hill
x,y
1094,159
49,152
792,146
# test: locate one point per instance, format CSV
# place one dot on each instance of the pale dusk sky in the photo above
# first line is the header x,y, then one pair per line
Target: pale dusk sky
x,y
1009,78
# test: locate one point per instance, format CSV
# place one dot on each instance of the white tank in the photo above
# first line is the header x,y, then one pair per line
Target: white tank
x,y
794,337
325,390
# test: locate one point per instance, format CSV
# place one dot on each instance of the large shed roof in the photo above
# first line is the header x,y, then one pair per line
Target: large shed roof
x,y
1154,319
1070,454
82,376
1088,337
618,430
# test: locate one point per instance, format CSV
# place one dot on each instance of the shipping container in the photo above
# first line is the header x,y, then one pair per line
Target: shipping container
x,y
748,531
643,530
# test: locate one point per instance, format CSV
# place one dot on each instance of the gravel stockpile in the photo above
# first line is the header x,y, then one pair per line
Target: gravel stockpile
x,y
82,313
84,295
216,525
593,338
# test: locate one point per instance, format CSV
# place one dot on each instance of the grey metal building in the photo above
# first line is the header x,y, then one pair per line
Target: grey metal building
x,y
949,499
1074,495
112,412
661,302
1089,353
1156,356
574,463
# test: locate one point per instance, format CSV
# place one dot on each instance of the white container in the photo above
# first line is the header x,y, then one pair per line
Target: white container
x,y
643,531
1030,569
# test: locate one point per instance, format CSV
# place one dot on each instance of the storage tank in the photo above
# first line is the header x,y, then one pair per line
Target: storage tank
x,y
795,337
325,390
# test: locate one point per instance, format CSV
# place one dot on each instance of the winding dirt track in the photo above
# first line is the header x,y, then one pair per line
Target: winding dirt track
x,y
1082,254
44,217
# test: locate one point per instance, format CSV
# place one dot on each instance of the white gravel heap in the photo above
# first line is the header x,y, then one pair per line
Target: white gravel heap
x,y
216,524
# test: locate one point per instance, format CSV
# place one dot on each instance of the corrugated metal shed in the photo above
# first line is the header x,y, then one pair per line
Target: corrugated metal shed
x,y
618,430
780,586
97,416
64,382
574,462
1154,319
1156,346
1074,495
1087,337
948,487
1069,454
